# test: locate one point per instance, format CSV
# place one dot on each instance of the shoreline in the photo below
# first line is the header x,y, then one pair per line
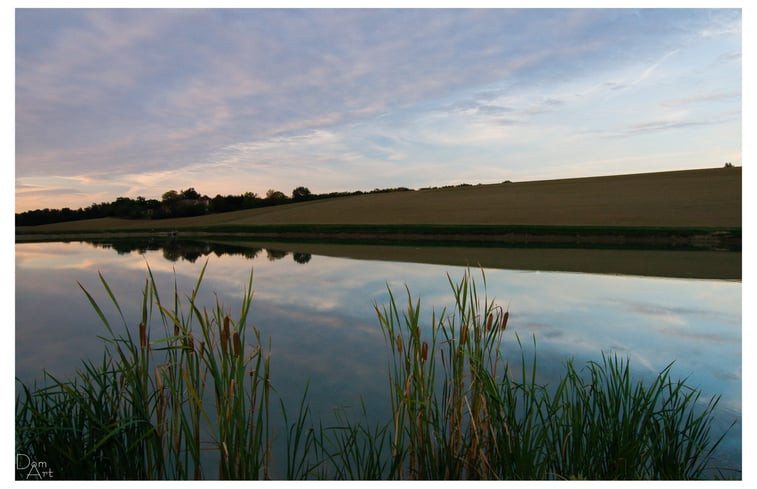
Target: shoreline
x,y
726,239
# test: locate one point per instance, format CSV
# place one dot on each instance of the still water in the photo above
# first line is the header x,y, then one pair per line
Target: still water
x,y
319,313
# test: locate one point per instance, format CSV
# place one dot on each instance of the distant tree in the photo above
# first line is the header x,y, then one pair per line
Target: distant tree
x,y
275,195
190,194
170,196
125,208
728,165
218,204
250,200
300,194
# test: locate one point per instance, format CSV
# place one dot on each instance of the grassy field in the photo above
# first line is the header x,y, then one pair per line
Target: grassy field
x,y
709,198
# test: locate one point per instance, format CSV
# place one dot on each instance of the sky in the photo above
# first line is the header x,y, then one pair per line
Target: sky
x,y
124,102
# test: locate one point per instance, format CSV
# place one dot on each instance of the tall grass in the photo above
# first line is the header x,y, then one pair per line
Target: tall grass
x,y
162,396
461,412
158,399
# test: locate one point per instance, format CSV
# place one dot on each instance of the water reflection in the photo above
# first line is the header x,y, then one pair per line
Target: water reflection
x,y
643,262
174,249
323,328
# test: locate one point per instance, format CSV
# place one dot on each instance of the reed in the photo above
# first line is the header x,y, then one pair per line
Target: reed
x,y
461,412
194,381
152,406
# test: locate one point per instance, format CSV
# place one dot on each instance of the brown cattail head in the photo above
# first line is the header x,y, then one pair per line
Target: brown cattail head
x,y
424,352
142,336
399,344
158,379
237,345
202,348
191,343
504,320
225,335
226,321
489,322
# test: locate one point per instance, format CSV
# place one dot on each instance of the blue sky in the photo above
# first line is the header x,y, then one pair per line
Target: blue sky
x,y
118,102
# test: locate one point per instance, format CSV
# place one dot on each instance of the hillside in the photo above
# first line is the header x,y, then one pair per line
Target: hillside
x,y
680,199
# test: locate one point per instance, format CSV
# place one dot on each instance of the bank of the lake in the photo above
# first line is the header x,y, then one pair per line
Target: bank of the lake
x,y
482,235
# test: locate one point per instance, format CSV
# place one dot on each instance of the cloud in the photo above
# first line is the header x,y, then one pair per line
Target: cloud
x,y
724,22
37,190
200,80
665,124
652,309
342,97
699,99
651,68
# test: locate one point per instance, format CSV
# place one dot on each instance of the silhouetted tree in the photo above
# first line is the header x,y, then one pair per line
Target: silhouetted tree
x,y
300,194
275,195
190,194
250,200
170,196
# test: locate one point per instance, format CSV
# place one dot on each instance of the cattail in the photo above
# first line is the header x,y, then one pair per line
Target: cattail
x,y
504,320
202,348
399,344
229,400
225,335
237,345
142,336
424,352
191,344
230,397
464,334
158,379
489,322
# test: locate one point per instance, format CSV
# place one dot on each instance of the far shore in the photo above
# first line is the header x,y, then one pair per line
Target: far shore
x,y
697,209
617,237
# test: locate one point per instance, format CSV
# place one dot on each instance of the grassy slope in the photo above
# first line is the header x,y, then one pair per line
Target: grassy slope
x,y
693,198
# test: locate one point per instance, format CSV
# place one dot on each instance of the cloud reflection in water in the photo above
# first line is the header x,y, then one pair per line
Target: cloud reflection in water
x,y
320,318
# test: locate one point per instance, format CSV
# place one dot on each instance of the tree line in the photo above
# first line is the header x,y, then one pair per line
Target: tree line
x,y
184,203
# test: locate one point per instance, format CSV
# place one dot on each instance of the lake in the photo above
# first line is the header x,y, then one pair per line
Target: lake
x,y
316,303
